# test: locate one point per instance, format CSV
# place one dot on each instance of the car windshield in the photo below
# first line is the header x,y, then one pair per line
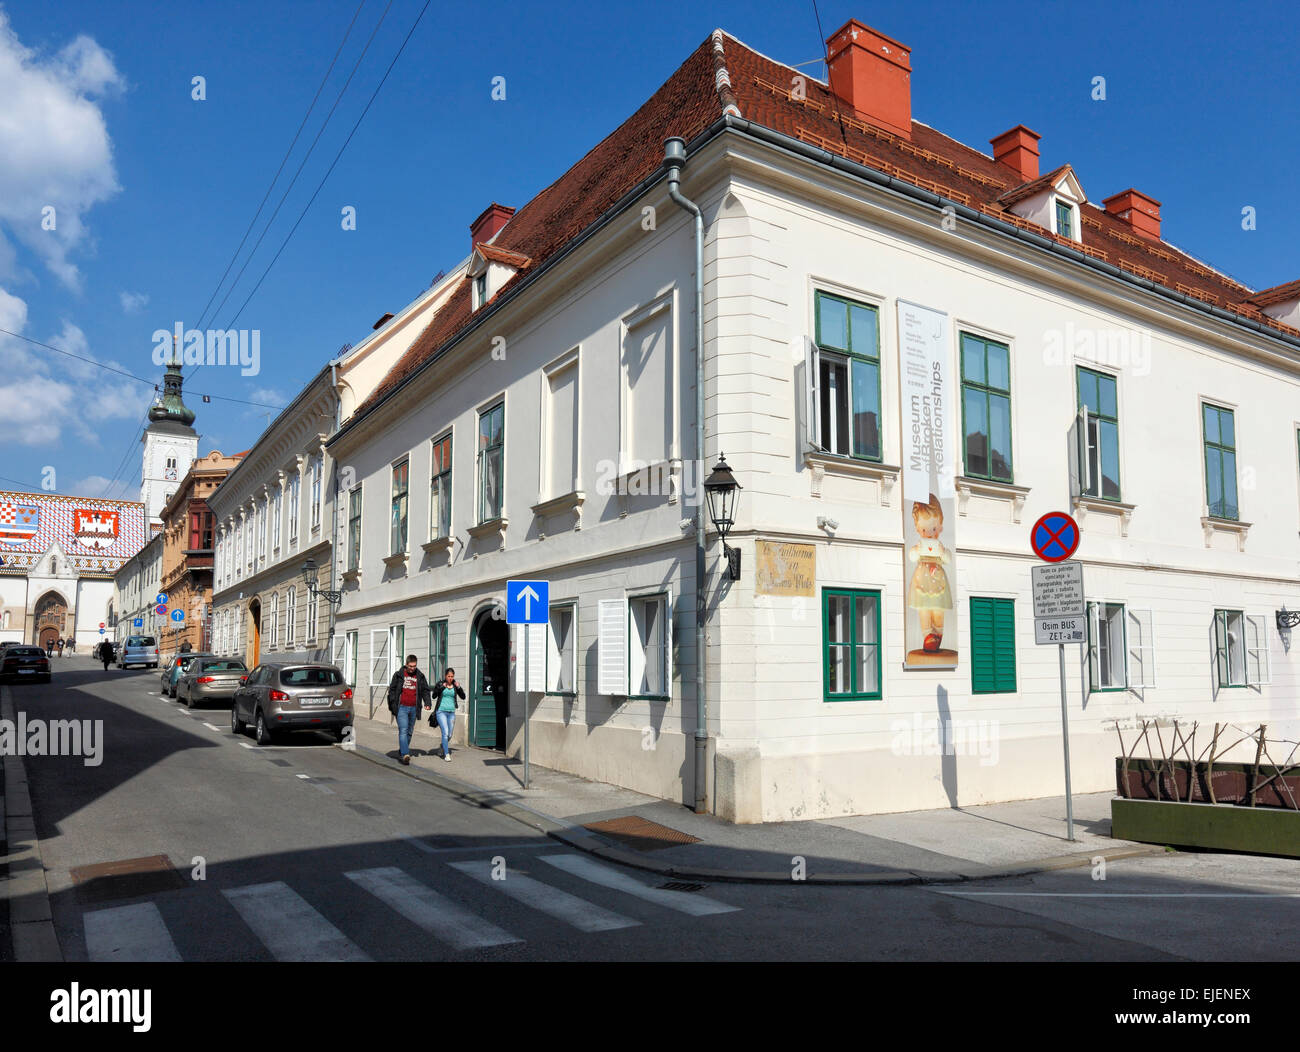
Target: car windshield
x,y
140,641
224,666
27,652
310,677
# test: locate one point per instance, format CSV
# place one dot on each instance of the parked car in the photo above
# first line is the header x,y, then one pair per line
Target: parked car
x,y
25,663
175,668
138,650
210,679
276,698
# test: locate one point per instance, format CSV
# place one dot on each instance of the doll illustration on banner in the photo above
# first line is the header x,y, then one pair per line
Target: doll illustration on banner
x,y
929,593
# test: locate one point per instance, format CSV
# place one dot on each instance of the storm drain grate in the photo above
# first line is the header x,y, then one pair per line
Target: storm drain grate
x,y
641,834
365,809
680,885
125,878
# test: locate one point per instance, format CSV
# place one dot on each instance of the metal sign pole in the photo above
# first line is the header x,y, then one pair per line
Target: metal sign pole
x,y
526,686
1065,738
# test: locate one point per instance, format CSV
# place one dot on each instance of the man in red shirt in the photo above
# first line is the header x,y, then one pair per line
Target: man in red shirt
x,y
406,691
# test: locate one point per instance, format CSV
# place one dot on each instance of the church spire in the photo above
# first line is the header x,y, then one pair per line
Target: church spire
x,y
171,406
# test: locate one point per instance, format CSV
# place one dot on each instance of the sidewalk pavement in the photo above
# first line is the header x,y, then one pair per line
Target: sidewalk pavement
x,y
939,846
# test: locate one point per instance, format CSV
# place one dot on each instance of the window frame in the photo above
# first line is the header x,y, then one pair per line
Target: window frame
x,y
571,607
482,454
354,520
664,601
1093,688
402,525
988,391
1221,619
443,490
853,595
290,614
295,497
1066,206
436,671
1094,413
317,470
1220,448
847,356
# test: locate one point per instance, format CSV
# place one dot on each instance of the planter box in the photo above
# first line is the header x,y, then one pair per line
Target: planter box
x,y
1149,779
1251,830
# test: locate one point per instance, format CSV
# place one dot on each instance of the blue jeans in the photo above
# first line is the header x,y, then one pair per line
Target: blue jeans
x,y
406,717
446,721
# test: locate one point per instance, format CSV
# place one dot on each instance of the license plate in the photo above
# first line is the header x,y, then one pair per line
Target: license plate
x,y
26,671
315,702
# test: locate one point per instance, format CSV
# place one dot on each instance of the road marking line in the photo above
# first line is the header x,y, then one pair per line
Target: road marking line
x,y
129,933
212,728
289,927
248,745
303,776
579,913
682,901
439,916
1133,894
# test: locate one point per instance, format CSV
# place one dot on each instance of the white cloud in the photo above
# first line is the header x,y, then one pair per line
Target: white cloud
x,y
267,396
100,486
48,396
133,302
55,150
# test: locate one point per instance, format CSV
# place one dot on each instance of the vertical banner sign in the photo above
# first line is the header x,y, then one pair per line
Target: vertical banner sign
x,y
927,412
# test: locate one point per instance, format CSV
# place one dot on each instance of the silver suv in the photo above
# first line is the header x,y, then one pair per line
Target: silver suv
x,y
276,698
138,650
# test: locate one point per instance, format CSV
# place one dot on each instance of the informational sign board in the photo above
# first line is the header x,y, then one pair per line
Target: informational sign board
x,y
785,568
1060,630
528,602
1058,590
138,622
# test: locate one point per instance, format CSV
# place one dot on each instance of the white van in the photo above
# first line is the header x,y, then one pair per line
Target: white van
x,y
138,650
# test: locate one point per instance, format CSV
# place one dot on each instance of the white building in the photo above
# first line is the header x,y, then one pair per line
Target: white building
x,y
135,590
276,511
1081,363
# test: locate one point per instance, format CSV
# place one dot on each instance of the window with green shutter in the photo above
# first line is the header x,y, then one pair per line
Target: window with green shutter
x,y
993,645
850,645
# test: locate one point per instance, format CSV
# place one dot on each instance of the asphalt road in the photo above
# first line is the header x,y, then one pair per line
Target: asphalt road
x,y
301,851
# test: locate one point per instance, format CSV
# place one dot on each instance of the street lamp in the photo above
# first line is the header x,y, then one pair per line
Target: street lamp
x,y
721,488
309,576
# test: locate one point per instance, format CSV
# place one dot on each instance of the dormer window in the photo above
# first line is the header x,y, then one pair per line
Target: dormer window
x,y
1052,201
480,290
1065,224
490,268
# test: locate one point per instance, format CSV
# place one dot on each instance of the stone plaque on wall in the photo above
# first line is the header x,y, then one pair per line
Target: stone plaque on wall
x,y
785,568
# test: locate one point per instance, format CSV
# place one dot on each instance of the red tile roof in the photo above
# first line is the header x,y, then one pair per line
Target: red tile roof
x,y
723,75
1032,187
1277,294
497,254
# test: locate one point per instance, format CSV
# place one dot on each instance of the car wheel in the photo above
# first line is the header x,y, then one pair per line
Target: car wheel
x,y
263,732
236,724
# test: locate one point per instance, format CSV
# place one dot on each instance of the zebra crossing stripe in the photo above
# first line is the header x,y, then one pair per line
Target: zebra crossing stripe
x,y
583,915
288,926
129,933
439,916
681,901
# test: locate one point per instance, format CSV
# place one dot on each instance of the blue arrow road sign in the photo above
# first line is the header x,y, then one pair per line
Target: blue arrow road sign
x,y
160,598
178,615
527,602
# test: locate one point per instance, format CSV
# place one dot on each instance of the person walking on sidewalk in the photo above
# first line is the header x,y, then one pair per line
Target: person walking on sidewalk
x,y
406,690
448,691
60,645
106,653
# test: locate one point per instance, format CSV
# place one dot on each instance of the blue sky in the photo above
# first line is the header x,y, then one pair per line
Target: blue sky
x,y
156,189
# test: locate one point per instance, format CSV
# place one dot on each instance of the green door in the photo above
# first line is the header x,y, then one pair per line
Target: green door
x,y
488,700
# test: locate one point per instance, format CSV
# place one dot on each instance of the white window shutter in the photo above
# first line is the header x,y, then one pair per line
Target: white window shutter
x,y
338,650
1222,671
1094,655
1141,648
554,659
1078,452
812,402
532,640
379,657
668,644
1257,655
612,647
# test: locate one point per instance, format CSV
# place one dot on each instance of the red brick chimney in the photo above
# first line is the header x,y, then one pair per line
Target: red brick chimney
x,y
489,224
872,75
1018,150
1140,212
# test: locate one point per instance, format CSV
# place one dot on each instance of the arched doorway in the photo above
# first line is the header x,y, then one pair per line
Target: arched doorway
x,y
50,614
255,627
489,698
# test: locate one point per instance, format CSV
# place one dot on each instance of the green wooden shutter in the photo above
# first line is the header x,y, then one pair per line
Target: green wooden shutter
x,y
993,646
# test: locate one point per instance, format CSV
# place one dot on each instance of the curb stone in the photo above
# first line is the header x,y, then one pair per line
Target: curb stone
x,y
24,887
594,844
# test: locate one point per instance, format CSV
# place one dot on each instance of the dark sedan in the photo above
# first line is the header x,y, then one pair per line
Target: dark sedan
x,y
25,664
